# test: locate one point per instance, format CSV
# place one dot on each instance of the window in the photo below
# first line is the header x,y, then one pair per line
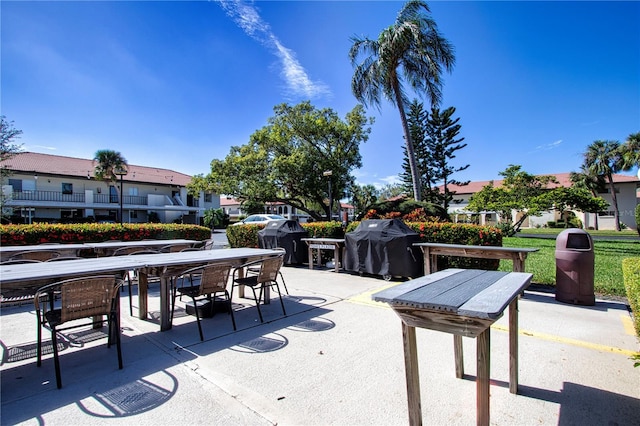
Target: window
x,y
609,213
67,188
207,198
133,191
16,184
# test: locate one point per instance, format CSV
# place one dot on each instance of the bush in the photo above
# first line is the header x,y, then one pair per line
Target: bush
x,y
247,235
631,277
16,235
638,218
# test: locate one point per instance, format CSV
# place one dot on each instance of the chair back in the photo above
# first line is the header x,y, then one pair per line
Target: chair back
x,y
40,255
124,251
269,269
87,296
174,248
214,278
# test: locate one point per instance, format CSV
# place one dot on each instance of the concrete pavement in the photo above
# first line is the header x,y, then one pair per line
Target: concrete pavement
x,y
336,358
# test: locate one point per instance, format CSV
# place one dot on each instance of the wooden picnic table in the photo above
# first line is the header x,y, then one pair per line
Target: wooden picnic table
x,y
463,302
29,277
335,244
431,251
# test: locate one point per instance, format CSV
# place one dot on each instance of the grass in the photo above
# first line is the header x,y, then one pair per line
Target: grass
x,y
604,233
608,262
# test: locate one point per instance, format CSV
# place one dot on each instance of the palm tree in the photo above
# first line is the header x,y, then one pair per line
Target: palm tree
x,y
630,152
603,159
411,51
587,180
107,165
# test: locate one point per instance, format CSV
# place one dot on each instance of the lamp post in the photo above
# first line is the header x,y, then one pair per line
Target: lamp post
x,y
328,174
121,171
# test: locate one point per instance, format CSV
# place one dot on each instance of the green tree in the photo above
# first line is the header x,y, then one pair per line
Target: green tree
x,y
606,158
564,199
442,142
215,218
417,119
107,164
411,51
519,191
362,196
8,149
391,190
285,160
586,179
630,152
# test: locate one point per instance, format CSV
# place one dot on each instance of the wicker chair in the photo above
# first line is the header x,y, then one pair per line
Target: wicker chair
x,y
40,255
174,248
213,279
266,277
77,298
256,269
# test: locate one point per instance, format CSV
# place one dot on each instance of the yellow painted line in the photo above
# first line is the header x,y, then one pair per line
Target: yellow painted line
x,y
568,341
365,299
627,323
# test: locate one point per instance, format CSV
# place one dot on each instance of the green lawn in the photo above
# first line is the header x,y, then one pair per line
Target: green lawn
x,y
608,262
556,231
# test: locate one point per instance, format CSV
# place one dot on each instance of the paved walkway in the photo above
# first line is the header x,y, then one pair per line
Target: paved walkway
x,y
336,358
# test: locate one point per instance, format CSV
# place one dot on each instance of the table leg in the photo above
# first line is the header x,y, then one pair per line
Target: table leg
x,y
165,297
310,258
482,380
241,287
412,374
427,259
513,346
143,287
319,253
336,258
459,356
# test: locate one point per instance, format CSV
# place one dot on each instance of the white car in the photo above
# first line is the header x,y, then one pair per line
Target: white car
x,y
259,218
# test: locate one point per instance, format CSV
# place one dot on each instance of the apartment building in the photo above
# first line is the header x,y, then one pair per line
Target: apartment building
x,y
43,187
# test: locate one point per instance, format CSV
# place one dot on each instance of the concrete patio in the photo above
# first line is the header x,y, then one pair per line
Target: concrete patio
x,y
336,358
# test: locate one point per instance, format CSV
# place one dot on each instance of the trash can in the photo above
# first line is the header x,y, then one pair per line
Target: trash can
x,y
575,267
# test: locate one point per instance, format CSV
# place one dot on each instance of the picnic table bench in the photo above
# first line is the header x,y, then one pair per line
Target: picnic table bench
x,y
335,244
431,251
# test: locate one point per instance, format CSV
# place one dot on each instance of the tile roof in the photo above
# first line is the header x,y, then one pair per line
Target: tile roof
x,y
46,164
563,180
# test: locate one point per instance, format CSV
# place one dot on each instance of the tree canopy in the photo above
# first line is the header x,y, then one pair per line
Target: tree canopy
x,y
412,53
530,195
285,160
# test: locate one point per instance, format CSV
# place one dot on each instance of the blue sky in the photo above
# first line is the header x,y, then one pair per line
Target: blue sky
x,y
174,84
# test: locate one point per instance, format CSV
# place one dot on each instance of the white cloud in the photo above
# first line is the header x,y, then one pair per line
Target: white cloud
x,y
297,81
547,147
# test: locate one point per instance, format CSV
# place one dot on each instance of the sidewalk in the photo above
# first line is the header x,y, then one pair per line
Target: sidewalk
x,y
336,358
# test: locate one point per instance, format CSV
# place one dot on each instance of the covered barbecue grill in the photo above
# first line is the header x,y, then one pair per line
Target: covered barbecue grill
x,y
383,247
286,234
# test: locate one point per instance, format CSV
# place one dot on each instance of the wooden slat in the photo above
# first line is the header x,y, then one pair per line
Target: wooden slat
x,y
390,294
491,302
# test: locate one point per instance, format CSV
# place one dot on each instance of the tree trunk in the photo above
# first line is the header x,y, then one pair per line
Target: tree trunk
x,y
415,177
614,199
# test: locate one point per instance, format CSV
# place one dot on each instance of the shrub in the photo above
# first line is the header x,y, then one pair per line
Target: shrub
x,y
631,277
638,218
16,235
247,235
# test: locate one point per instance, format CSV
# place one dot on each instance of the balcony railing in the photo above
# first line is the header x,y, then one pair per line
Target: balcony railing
x,y
59,197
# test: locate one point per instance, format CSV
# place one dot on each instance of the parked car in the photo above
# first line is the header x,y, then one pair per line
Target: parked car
x,y
259,218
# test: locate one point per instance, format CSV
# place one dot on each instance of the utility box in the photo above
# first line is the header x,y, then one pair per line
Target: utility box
x,y
575,260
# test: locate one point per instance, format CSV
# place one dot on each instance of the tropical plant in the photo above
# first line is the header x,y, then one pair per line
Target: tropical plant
x,y
108,165
586,179
411,51
604,158
8,149
215,218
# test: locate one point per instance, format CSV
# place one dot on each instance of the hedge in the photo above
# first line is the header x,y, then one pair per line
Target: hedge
x,y
16,235
631,277
435,232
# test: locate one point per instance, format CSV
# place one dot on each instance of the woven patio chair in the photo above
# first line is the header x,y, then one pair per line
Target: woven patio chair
x,y
40,255
75,299
213,279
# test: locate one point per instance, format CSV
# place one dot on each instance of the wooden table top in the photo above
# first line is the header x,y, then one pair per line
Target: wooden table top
x,y
103,244
472,247
463,292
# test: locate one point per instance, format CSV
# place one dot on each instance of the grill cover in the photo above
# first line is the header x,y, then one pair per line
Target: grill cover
x,y
383,247
286,234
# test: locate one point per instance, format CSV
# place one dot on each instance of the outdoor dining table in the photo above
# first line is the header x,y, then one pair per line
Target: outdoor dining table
x,y
463,302
100,247
29,277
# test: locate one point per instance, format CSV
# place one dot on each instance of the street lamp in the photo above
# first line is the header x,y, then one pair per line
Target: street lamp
x,y
120,171
328,174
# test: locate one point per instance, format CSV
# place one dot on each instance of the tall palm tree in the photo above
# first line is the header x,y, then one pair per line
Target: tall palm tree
x,y
591,182
412,52
630,152
603,158
107,165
